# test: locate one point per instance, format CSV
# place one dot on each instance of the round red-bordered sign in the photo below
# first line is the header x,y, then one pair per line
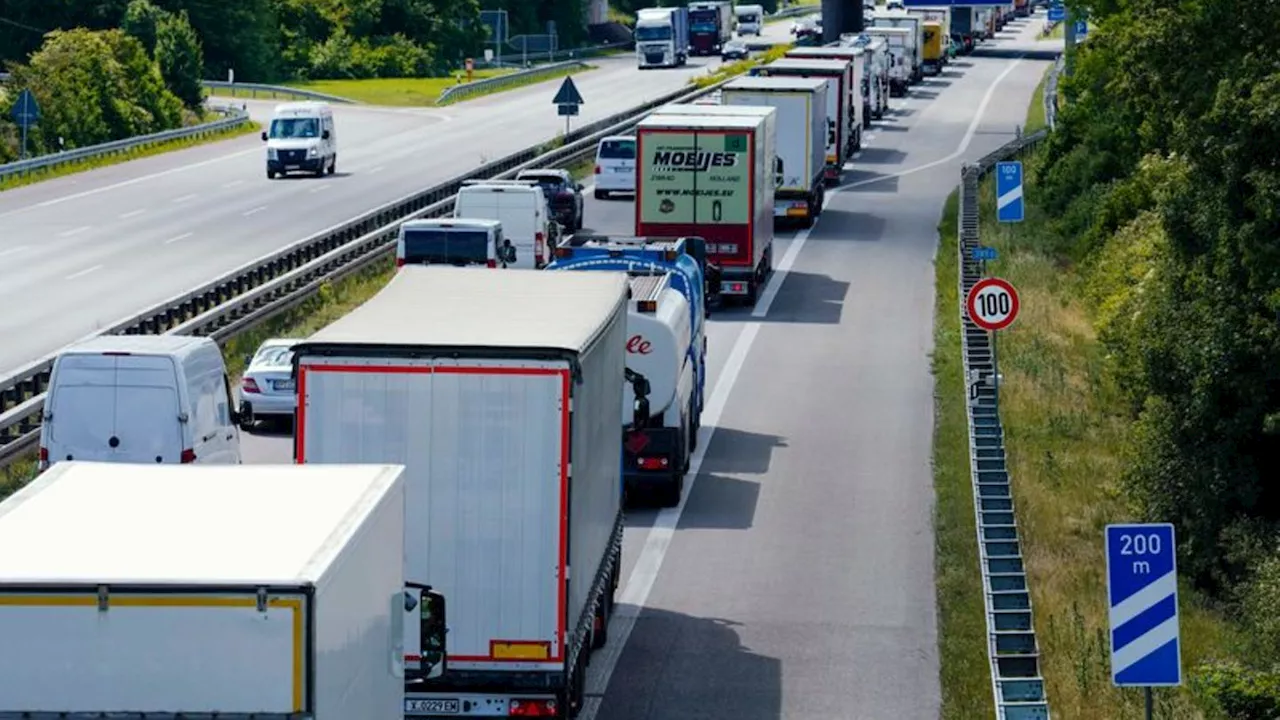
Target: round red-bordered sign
x,y
992,304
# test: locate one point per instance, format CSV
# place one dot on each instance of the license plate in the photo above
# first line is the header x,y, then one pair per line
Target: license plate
x,y
292,167
283,384
448,707
622,169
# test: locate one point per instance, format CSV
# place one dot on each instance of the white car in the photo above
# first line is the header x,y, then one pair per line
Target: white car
x,y
267,388
615,166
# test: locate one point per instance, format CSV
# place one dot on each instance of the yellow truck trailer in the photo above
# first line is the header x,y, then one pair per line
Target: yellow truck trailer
x,y
934,48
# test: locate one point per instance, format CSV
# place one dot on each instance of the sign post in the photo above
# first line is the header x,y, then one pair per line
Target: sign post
x,y
1142,592
1010,207
992,304
567,100
26,112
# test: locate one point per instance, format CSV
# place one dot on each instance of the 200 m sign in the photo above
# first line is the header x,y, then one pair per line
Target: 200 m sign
x,y
992,304
431,707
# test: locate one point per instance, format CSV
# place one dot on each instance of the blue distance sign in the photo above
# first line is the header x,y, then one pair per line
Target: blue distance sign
x,y
1142,593
1057,13
1009,201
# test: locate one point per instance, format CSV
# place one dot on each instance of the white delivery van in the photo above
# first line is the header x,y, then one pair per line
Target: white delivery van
x,y
750,19
302,137
521,207
453,241
140,399
266,591
615,166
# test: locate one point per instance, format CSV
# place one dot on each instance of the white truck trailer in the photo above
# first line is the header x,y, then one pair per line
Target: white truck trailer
x,y
802,139
844,105
499,393
913,41
168,591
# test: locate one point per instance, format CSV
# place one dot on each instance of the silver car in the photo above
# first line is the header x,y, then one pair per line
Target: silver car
x,y
267,389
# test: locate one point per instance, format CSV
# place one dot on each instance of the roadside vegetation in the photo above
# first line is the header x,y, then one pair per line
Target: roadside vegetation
x,y
422,92
738,67
1142,381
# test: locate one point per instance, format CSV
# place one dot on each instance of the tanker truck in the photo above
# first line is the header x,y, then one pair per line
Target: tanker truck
x,y
666,345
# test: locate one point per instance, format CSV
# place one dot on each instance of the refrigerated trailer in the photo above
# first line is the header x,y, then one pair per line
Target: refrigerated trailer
x,y
500,393
844,107
236,591
861,69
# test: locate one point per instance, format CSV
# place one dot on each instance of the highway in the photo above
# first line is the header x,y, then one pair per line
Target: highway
x,y
80,253
796,579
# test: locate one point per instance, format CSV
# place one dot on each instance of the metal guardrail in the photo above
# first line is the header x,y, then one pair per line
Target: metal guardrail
x,y
235,118
1051,93
465,90
1017,684
274,91
281,280
795,11
516,59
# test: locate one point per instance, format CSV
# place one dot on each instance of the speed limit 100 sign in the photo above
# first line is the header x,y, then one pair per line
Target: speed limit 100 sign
x,y
992,304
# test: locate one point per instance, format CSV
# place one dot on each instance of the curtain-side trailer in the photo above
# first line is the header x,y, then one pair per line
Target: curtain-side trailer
x,y
712,176
500,394
178,591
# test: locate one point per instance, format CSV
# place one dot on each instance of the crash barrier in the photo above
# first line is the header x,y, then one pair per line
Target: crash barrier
x,y
1017,683
466,90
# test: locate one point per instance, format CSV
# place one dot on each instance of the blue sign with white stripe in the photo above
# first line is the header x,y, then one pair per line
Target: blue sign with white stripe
x,y
1009,204
1142,589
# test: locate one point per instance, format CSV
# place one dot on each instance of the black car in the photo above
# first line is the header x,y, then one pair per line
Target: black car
x,y
564,194
735,50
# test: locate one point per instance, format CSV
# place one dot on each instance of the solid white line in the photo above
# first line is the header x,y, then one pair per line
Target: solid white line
x,y
82,273
13,250
254,211
74,231
233,183
319,188
378,169
175,239
131,213
185,198
635,593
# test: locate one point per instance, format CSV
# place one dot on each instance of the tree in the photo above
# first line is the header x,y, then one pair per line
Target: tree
x,y
140,21
180,57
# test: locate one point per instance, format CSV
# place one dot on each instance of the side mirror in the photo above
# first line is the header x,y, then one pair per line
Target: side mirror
x,y
433,662
264,136
324,135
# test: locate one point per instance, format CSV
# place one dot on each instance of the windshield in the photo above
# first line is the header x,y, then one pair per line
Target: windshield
x,y
295,128
457,247
276,356
618,149
749,18
651,33
708,26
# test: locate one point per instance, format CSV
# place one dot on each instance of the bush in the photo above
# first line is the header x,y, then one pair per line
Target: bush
x,y
1241,693
343,57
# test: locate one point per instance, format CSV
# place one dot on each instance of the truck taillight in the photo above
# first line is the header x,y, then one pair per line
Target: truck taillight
x,y
399,262
188,457
44,458
532,708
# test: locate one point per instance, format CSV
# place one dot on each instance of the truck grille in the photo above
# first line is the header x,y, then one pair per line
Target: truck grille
x,y
653,57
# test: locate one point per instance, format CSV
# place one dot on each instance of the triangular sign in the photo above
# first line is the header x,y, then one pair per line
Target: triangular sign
x,y
568,94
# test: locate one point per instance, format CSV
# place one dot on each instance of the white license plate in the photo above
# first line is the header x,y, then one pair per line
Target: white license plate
x,y
283,384
448,707
622,169
292,167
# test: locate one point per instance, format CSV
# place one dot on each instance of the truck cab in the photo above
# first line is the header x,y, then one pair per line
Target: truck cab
x,y
662,37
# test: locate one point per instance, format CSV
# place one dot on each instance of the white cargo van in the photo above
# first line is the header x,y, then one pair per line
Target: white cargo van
x,y
140,399
521,207
453,241
302,137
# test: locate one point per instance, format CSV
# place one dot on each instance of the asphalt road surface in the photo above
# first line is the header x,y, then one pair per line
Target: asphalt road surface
x,y
83,252
796,578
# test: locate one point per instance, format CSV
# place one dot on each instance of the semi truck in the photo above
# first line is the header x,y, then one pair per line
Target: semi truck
x,y
500,394
712,176
843,138
710,26
661,346
185,591
802,139
750,19
859,87
662,37
913,41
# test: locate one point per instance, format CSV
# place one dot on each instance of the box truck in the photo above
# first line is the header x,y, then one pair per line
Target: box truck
x,y
710,26
802,139
236,591
875,79
667,347
902,65
934,48
860,95
913,41
750,19
500,393
844,105
662,37
712,176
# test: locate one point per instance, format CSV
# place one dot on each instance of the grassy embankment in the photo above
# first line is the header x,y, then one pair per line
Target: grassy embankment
x,y
1065,435
1057,33
412,92
739,67
65,169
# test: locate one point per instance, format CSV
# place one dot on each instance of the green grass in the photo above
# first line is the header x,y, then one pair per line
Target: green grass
x,y
65,169
965,671
1055,34
419,92
1035,109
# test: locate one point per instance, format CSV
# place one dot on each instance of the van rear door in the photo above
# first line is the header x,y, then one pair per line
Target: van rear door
x,y
527,226
115,408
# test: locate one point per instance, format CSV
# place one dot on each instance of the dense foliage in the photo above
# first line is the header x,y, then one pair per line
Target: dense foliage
x,y
1164,182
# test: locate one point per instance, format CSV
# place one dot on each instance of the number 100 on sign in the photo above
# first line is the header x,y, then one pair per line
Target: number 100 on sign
x,y
992,304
